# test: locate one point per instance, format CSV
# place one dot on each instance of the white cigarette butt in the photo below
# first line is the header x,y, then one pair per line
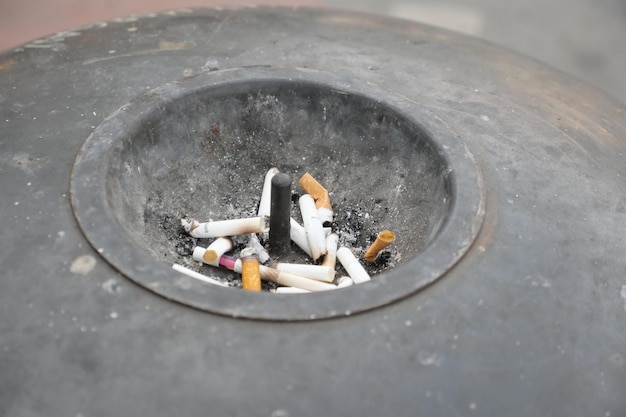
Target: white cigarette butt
x,y
198,253
326,215
196,275
189,225
316,272
344,282
289,290
266,195
352,266
215,250
330,260
298,236
290,280
313,226
224,228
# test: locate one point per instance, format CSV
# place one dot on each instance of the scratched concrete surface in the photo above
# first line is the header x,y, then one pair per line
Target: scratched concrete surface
x,y
582,37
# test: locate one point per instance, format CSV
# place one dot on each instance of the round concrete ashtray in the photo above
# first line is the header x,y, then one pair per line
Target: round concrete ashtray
x,y
201,146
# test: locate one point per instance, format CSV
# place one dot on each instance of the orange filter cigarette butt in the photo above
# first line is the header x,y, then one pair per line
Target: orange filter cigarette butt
x,y
384,239
315,189
320,195
250,271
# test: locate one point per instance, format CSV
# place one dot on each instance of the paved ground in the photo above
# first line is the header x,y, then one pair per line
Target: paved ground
x,y
585,38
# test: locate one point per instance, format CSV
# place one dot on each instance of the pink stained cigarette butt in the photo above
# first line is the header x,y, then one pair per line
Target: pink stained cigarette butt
x,y
231,263
384,239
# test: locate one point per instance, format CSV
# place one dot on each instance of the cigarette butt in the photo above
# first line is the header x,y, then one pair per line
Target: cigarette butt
x,y
290,280
330,260
231,263
266,195
344,282
326,215
255,244
198,254
384,239
250,271
312,227
315,189
289,290
212,254
298,236
223,228
316,272
278,277
320,195
352,266
189,225
196,275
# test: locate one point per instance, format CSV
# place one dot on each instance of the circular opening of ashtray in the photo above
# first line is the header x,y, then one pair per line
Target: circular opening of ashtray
x,y
200,147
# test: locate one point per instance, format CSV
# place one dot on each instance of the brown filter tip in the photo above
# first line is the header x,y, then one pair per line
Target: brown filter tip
x,y
250,274
384,239
210,256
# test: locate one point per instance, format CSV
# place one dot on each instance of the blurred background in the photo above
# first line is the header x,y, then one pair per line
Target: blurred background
x,y
585,38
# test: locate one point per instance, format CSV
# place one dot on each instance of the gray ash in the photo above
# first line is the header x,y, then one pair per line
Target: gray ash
x,y
383,259
183,243
354,227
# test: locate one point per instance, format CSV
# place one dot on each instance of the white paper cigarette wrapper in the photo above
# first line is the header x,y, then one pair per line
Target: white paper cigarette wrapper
x,y
290,280
330,260
352,266
196,275
298,236
316,272
266,196
228,227
312,226
289,290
